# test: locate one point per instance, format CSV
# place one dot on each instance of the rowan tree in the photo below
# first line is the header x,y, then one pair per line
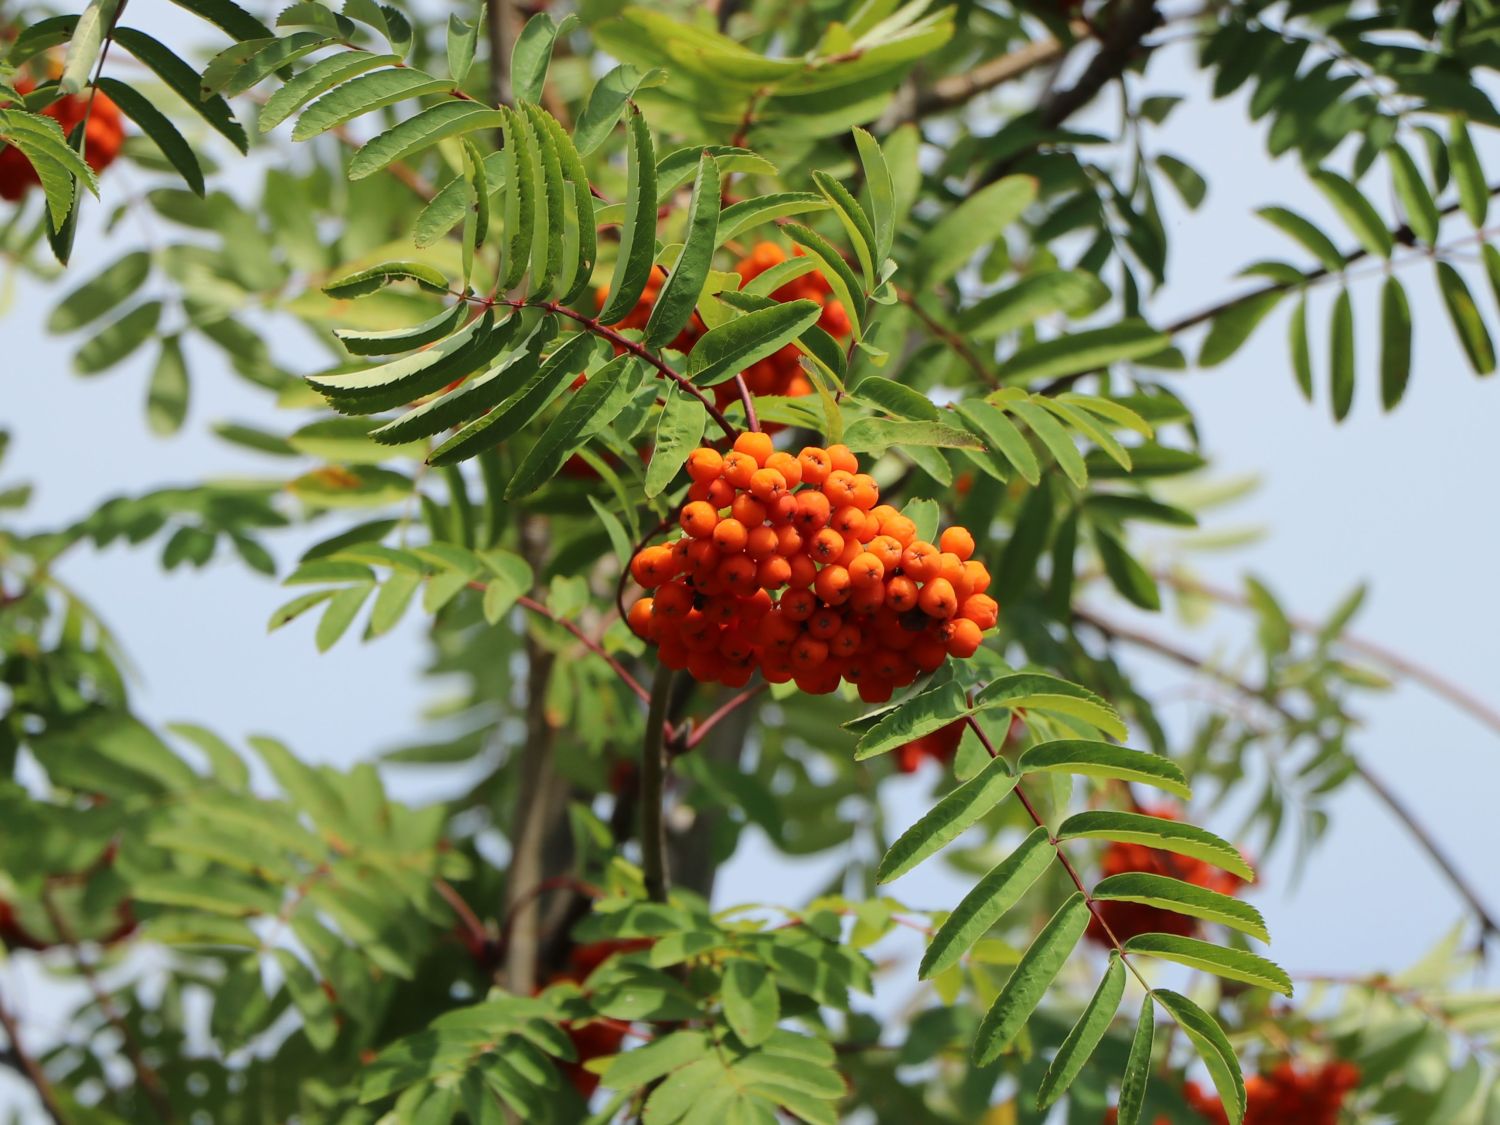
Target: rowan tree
x,y
756,403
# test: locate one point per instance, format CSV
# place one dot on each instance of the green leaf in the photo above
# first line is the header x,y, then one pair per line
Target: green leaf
x,y
1082,352
1185,178
101,293
214,894
1464,313
462,39
610,96
1358,215
1341,354
752,1005
40,139
1126,574
420,131
1301,353
228,16
1085,1035
1106,760
1057,440
410,377
947,820
1395,342
579,272
159,128
1213,1048
989,901
183,80
371,279
1468,174
750,213
392,601
912,718
512,578
118,339
1416,199
592,407
724,351
1231,328
974,224
1002,436
1157,832
340,614
1027,542
1037,691
550,220
679,296
317,79
1027,985
1321,246
1183,898
85,44
897,399
167,395
240,67
366,94
637,251
879,434
1034,296
678,432
396,340
1137,1066
882,191
653,1060
528,401
532,54
855,222
840,278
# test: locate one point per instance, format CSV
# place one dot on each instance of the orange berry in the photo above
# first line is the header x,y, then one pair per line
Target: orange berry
x,y
767,484
672,601
639,618
739,468
705,667
757,445
901,593
760,542
866,491
788,540
845,643
853,548
963,637
958,541
652,566
833,585
699,518
730,535
720,493
825,623
928,652
826,545
937,598
798,605
704,464
748,510
698,490
920,561
981,609
804,572
848,520
816,465
809,653
867,599
842,458
839,488
901,529
872,689
887,550
950,567
738,574
788,466
782,509
977,575
813,512
773,572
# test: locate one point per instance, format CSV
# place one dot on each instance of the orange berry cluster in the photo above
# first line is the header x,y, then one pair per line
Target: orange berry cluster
x,y
1288,1095
790,565
1131,919
781,373
102,136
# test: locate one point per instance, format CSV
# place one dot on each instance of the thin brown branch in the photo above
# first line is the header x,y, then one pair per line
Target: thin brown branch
x,y
1062,858
1394,802
957,90
700,731
30,1067
150,1082
1432,680
462,910
498,17
653,784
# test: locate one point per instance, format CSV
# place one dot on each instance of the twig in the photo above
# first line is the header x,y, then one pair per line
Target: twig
x,y
653,779
747,400
1433,681
1395,804
465,913
145,1074
700,731
497,16
30,1067
955,91
1062,858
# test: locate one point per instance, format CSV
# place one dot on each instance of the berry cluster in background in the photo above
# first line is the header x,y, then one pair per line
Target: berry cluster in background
x,y
1285,1095
790,566
103,133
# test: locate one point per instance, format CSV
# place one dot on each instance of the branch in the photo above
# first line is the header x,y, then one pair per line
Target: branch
x,y
30,1067
149,1080
1393,802
653,779
955,91
1433,681
498,17
700,731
